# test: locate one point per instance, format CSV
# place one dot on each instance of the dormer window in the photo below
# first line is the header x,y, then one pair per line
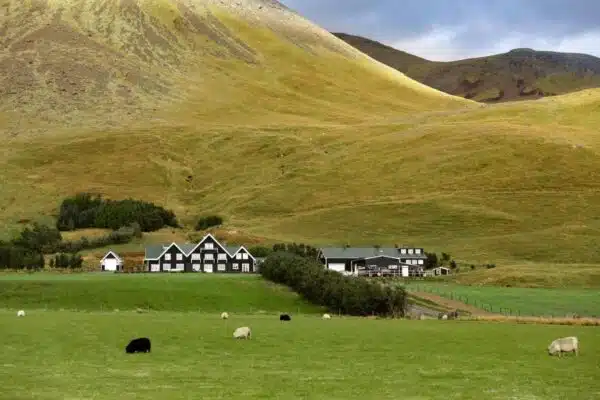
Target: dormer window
x,y
418,251
410,251
403,251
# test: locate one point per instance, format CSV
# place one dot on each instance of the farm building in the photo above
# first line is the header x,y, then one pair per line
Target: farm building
x,y
440,271
374,261
208,256
111,262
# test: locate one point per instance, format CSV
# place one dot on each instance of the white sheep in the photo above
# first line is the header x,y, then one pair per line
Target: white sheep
x,y
224,315
326,316
20,313
242,333
564,345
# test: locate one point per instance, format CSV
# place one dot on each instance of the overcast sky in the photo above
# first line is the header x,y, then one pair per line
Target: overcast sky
x,y
453,29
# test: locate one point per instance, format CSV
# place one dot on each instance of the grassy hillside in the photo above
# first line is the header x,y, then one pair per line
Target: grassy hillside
x,y
519,74
291,134
179,292
193,355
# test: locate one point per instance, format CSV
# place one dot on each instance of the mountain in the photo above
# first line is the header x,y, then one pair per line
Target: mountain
x,y
516,75
247,110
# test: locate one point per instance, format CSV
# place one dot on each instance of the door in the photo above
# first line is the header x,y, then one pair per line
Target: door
x,y
405,270
339,267
245,267
208,268
110,264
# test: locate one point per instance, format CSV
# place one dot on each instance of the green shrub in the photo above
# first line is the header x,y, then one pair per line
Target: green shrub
x,y
208,222
85,210
63,260
348,295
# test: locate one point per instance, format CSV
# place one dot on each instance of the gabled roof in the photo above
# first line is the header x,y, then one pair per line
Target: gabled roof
x,y
155,251
240,248
113,253
365,252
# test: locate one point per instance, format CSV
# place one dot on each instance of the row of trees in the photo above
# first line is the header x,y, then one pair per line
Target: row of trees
x,y
85,210
331,289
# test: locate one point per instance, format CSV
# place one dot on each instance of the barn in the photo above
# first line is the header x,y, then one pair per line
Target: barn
x,y
111,262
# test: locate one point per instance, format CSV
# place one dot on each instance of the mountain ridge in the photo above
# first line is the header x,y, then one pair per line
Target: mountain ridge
x,y
518,74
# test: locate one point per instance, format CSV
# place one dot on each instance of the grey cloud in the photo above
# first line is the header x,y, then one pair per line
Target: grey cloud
x,y
479,24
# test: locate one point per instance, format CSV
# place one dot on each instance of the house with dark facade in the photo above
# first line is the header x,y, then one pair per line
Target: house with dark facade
x,y
208,256
374,261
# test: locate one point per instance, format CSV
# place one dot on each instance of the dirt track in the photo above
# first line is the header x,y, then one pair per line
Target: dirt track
x,y
451,304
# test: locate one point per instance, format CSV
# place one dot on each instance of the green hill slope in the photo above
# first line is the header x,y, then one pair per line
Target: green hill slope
x,y
517,75
290,134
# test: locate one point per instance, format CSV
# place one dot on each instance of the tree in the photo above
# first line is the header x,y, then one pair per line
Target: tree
x,y
39,238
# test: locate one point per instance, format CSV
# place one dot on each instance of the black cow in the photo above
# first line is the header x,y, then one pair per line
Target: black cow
x,y
285,317
139,345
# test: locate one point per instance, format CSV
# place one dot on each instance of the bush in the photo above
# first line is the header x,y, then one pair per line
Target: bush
x,y
85,210
301,249
120,236
63,260
349,295
208,222
39,238
260,251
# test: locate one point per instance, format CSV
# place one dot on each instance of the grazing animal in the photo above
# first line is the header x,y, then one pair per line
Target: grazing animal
x,y
224,315
242,333
139,345
285,317
20,313
453,314
564,345
442,316
326,316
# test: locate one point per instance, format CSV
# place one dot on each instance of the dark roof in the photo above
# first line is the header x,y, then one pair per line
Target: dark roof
x,y
154,251
366,252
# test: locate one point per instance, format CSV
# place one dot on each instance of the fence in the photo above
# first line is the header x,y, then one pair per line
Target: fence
x,y
492,308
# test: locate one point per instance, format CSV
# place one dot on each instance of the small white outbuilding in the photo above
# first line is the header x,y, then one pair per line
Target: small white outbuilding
x,y
111,262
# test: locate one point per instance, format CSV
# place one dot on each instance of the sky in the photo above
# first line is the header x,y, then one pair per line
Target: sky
x,y
444,30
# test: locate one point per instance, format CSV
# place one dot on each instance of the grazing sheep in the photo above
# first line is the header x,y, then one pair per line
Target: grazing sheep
x,y
139,345
564,345
326,316
285,317
20,313
442,316
224,315
242,333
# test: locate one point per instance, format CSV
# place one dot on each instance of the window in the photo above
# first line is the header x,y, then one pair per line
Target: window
x,y
420,262
410,251
418,251
196,267
238,256
403,251
209,257
166,266
245,267
236,266
244,256
168,257
209,246
179,256
222,256
196,256
221,267
180,266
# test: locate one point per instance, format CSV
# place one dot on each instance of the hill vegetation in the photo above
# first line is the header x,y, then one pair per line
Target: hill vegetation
x,y
256,115
520,74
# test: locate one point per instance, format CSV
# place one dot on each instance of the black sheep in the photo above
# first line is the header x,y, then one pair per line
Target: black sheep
x,y
139,345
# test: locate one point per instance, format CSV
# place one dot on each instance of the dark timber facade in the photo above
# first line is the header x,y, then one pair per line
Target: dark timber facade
x,y
208,256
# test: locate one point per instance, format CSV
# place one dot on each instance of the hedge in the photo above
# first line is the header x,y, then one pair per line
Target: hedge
x,y
338,293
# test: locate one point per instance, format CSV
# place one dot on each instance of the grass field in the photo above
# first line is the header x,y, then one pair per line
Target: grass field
x,y
520,301
181,292
66,355
329,148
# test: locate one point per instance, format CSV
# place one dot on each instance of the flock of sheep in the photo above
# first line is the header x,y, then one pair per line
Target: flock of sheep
x,y
568,344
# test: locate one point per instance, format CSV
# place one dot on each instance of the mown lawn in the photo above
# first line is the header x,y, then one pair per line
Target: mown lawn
x,y
51,355
519,301
181,292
